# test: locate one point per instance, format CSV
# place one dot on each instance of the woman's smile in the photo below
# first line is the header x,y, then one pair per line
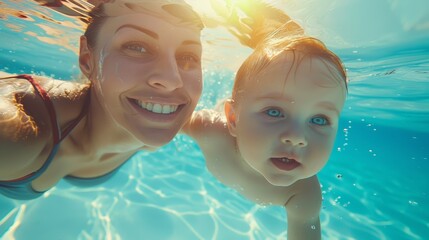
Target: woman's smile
x,y
157,111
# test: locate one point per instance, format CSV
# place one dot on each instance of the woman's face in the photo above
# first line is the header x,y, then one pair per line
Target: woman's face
x,y
147,75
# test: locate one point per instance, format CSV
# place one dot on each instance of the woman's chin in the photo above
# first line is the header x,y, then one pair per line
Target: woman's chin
x,y
157,140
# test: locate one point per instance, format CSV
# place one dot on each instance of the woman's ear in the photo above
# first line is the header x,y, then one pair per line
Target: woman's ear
x,y
231,117
85,57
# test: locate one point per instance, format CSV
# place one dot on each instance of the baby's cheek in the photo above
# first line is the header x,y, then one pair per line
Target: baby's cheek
x,y
320,156
248,147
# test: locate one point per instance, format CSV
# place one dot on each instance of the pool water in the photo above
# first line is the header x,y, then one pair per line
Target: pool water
x,y
375,185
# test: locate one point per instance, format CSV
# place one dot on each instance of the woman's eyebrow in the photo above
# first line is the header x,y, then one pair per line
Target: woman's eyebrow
x,y
153,34
190,42
141,29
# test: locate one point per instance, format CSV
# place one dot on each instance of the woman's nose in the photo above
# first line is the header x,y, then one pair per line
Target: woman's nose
x,y
166,76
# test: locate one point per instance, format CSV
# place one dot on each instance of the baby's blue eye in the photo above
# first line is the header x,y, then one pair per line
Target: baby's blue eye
x,y
273,112
320,121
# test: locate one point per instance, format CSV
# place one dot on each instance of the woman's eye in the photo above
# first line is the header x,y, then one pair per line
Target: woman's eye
x,y
188,61
189,58
135,48
320,120
272,112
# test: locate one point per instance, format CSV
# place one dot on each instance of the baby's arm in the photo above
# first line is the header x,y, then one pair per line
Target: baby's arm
x,y
303,209
207,127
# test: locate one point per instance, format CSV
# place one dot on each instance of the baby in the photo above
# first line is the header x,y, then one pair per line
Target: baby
x,y
279,127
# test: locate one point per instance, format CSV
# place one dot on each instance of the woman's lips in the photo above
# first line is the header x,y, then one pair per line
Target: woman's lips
x,y
285,164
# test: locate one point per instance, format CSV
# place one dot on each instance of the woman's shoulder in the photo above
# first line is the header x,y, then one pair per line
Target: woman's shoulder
x,y
25,119
61,89
68,97
4,74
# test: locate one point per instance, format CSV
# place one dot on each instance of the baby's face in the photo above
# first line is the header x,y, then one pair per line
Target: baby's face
x,y
287,119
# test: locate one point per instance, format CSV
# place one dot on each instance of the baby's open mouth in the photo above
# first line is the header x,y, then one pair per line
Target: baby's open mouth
x,y
284,163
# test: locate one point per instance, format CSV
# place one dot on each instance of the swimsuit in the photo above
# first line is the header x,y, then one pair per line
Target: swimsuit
x,y
21,188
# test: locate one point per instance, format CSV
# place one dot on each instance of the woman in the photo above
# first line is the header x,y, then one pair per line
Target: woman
x,y
142,60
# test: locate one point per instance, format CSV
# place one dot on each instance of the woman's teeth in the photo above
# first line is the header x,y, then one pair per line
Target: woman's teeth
x,y
157,107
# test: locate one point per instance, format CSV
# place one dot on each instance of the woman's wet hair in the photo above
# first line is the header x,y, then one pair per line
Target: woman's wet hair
x,y
97,17
282,42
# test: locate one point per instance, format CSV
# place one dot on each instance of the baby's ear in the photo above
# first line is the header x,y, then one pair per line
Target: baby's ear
x,y
230,117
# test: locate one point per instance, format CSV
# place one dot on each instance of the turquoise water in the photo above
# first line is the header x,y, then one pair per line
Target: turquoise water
x,y
375,185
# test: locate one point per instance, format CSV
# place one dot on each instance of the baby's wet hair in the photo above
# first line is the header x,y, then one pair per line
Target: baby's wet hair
x,y
282,42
